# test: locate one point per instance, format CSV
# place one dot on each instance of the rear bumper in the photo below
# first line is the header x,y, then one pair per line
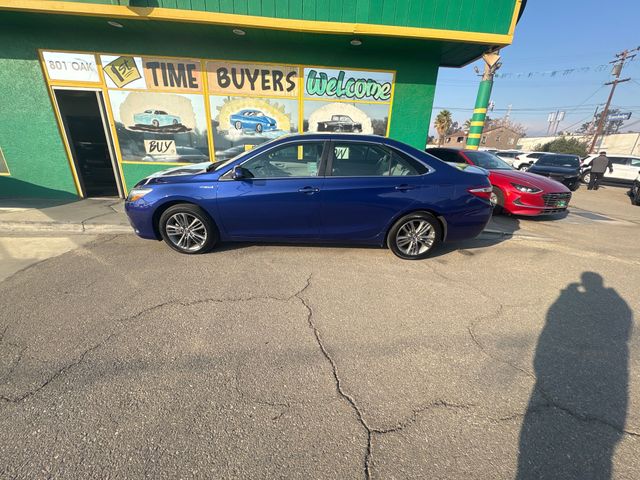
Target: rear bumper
x,y
467,225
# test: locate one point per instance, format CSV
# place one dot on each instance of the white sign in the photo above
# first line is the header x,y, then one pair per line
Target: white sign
x,y
78,67
160,147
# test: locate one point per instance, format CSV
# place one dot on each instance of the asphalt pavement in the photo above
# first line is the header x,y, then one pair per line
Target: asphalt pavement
x,y
515,355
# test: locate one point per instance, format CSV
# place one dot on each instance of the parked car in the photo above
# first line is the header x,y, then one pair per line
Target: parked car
x,y
626,169
251,119
525,160
561,167
362,189
156,118
635,191
508,155
339,123
514,192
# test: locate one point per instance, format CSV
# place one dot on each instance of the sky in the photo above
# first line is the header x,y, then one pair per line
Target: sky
x,y
555,35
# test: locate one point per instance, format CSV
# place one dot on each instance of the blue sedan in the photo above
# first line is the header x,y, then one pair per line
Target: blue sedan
x,y
341,188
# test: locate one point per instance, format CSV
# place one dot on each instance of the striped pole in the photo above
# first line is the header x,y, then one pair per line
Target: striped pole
x,y
479,114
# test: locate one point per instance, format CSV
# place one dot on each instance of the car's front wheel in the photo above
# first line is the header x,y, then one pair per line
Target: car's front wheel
x,y
258,128
586,177
188,229
524,167
414,236
635,192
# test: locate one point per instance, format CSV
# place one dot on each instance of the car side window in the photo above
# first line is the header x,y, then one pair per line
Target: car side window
x,y
360,160
447,156
635,162
536,155
402,166
291,160
619,160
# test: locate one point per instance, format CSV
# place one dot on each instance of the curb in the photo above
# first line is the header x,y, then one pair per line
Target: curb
x,y
59,227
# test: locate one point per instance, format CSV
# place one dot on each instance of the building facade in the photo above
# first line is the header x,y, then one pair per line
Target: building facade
x,y
501,138
96,95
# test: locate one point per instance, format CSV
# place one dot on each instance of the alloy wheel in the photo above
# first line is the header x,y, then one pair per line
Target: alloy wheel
x,y
493,199
186,231
415,237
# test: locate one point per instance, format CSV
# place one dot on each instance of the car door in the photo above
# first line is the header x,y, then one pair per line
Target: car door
x,y
280,199
634,168
366,186
620,169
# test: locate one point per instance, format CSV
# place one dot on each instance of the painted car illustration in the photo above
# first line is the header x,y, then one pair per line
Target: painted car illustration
x,y
252,120
156,118
339,123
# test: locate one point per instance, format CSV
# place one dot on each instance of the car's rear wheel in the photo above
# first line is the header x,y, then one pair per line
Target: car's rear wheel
x,y
188,229
155,123
238,125
636,194
586,177
497,201
414,236
258,127
524,167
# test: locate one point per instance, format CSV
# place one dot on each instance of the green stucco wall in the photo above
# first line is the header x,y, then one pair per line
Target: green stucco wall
x,y
487,16
29,133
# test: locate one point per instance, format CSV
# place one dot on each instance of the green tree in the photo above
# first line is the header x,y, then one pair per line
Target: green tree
x,y
565,145
442,125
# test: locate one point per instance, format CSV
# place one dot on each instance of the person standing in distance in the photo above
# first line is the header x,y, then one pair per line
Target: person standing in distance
x,y
599,165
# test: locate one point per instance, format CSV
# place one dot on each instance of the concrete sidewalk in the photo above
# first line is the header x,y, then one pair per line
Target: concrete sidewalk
x,y
94,215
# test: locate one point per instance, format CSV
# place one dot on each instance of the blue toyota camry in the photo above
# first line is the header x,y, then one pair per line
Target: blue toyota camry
x,y
338,188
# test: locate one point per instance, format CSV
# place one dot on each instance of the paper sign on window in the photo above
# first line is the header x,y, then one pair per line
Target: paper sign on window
x,y
342,153
160,147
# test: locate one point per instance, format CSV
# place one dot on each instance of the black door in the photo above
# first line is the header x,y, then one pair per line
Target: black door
x,y
83,124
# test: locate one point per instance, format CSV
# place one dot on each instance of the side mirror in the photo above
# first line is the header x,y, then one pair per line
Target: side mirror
x,y
240,173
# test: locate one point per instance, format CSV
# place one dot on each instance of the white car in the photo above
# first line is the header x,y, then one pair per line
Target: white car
x,y
508,155
525,160
626,169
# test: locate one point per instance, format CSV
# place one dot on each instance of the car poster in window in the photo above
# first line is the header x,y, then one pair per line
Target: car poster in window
x,y
251,104
160,127
354,101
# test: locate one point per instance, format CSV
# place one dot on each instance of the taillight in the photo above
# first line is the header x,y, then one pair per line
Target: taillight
x,y
482,192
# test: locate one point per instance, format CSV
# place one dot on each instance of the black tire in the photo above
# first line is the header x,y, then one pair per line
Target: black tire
x,y
155,123
498,206
636,195
575,187
586,177
175,122
259,127
433,234
189,210
238,125
524,167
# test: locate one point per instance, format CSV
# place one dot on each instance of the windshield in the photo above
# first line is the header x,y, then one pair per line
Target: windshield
x,y
487,160
558,161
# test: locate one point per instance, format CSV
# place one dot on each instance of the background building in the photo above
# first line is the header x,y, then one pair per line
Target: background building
x,y
502,138
96,95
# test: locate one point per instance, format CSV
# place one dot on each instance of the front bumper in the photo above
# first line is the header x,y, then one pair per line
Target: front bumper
x,y
140,214
528,204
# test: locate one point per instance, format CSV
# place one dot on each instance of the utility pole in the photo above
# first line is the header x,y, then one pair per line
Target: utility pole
x,y
491,65
618,65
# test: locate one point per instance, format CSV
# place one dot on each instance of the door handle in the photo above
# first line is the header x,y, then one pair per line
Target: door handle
x,y
405,187
308,190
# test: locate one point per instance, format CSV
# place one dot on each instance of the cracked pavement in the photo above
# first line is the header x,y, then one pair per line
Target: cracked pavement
x,y
123,359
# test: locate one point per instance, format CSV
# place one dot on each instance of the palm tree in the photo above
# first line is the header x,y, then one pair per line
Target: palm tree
x,y
442,125
467,125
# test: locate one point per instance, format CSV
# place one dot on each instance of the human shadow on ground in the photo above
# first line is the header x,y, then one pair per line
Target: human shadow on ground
x,y
577,410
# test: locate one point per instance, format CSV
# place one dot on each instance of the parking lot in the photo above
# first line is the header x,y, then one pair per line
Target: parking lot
x,y
515,355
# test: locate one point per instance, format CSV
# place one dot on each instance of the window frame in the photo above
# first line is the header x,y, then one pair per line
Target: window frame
x,y
227,176
329,160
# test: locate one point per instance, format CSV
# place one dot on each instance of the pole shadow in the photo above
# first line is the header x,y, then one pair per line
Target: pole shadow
x,y
577,410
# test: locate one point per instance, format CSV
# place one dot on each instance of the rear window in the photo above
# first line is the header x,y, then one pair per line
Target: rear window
x,y
558,161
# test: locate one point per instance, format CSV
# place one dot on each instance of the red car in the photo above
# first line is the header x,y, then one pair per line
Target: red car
x,y
514,191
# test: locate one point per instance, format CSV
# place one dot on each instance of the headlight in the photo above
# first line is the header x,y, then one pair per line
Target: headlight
x,y
525,189
137,194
